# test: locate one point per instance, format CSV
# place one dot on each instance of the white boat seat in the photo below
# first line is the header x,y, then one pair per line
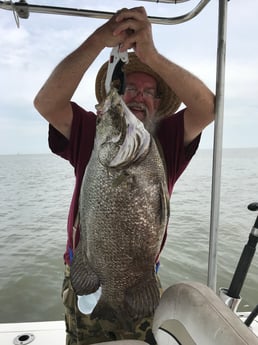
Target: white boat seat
x,y
190,313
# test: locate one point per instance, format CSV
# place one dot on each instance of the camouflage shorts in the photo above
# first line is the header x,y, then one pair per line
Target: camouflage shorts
x,y
82,330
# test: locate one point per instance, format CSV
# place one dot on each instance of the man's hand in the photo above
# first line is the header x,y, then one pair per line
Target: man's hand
x,y
105,33
135,28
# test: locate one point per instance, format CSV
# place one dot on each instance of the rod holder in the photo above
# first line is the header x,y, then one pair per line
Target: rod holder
x,y
231,302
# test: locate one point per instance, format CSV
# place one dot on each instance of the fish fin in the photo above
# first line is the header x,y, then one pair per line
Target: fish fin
x,y
142,299
83,278
118,316
124,177
103,310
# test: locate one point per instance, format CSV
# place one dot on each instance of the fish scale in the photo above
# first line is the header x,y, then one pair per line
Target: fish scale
x,y
124,210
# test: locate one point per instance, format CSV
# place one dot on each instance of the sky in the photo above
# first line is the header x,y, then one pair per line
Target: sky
x,y
28,55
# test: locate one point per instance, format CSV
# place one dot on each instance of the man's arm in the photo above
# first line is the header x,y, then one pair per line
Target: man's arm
x,y
198,99
53,100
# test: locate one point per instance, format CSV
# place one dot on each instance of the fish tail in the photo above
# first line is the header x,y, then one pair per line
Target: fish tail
x,y
116,315
104,311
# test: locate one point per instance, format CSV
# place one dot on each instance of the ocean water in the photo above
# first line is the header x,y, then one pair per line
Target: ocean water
x,y
35,192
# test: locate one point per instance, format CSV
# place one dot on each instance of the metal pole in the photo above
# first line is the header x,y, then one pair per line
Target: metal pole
x,y
23,10
217,151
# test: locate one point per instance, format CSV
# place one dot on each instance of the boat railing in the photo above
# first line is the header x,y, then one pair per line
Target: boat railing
x,y
22,9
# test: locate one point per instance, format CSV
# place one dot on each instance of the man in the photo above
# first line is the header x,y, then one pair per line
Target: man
x,y
150,79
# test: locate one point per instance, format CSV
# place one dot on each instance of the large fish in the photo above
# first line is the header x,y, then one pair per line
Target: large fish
x,y
123,210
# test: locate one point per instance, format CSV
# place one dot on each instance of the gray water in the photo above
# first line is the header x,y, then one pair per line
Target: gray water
x,y
35,192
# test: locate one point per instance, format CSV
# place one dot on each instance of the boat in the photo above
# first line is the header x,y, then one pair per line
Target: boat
x,y
189,312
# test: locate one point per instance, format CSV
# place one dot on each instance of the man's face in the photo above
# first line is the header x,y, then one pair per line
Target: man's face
x,y
141,96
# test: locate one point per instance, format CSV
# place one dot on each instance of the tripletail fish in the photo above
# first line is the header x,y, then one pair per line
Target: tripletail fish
x,y
123,212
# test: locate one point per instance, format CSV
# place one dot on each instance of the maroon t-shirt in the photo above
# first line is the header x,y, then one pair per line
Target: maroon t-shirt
x,y
77,150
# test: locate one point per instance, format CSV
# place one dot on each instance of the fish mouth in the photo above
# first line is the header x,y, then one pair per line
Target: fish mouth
x,y
122,136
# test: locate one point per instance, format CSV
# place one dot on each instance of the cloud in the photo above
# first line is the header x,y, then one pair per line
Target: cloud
x,y
29,54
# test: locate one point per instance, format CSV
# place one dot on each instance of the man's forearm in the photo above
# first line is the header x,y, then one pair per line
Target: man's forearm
x,y
198,98
191,90
63,81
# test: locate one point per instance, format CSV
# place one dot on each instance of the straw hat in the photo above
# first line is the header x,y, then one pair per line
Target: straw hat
x,y
169,102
